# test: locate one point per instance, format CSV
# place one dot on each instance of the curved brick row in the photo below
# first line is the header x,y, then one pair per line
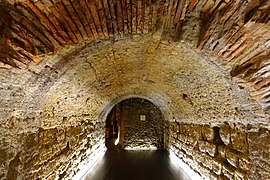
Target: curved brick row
x,y
236,31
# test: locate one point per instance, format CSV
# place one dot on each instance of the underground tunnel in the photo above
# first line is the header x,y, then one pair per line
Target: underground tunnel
x,y
135,123
70,69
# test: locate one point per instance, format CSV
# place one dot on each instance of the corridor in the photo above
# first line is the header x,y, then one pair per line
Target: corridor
x,y
135,165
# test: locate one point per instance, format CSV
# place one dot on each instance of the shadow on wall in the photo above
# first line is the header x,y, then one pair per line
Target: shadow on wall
x,y
135,124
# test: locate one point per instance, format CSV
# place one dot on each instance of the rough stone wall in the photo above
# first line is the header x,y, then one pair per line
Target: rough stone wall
x,y
46,153
222,151
236,33
55,106
59,95
142,134
37,141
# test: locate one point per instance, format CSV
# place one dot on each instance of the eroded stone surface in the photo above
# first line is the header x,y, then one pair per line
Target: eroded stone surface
x,y
52,113
229,160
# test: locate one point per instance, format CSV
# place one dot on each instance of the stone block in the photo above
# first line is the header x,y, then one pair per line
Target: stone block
x,y
73,131
210,149
257,141
204,171
207,147
195,131
208,161
181,155
208,133
228,171
185,129
245,163
47,136
172,127
240,175
190,140
170,138
188,149
45,153
222,151
216,167
182,138
195,168
239,141
174,135
179,144
61,135
214,176
197,156
202,146
189,160
174,143
225,133
232,157
59,147
89,128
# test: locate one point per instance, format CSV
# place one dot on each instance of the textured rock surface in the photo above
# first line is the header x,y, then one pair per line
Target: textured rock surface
x,y
55,111
53,114
148,133
246,158
236,33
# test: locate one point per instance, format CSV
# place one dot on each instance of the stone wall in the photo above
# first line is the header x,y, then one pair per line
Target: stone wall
x,y
42,136
234,32
68,92
46,153
222,151
148,133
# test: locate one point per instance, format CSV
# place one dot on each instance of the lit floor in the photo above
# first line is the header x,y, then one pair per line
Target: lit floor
x,y
135,165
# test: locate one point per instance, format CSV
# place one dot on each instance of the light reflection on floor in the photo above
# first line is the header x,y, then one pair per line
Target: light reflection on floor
x,y
136,165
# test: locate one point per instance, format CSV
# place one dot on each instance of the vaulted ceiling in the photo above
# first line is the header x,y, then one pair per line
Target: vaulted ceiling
x,y
234,32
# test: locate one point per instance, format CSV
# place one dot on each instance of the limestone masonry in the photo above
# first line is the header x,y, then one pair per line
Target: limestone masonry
x,y
203,65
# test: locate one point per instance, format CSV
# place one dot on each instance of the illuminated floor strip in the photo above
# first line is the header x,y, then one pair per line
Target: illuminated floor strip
x,y
86,167
176,161
140,149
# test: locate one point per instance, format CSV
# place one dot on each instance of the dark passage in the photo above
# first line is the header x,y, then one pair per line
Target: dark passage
x,y
135,165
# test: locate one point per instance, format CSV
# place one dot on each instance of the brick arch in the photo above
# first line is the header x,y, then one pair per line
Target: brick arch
x,y
230,35
233,33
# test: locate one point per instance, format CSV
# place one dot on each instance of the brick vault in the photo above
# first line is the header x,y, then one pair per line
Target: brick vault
x,y
64,64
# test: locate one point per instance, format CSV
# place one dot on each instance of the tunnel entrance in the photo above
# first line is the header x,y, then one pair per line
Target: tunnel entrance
x,y
112,129
135,124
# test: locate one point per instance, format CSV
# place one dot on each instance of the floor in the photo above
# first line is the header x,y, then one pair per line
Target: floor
x,y
135,165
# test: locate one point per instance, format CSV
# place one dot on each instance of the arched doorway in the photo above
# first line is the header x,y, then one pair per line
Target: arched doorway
x,y
135,123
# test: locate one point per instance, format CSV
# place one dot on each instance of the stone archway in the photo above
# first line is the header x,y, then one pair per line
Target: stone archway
x,y
135,123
